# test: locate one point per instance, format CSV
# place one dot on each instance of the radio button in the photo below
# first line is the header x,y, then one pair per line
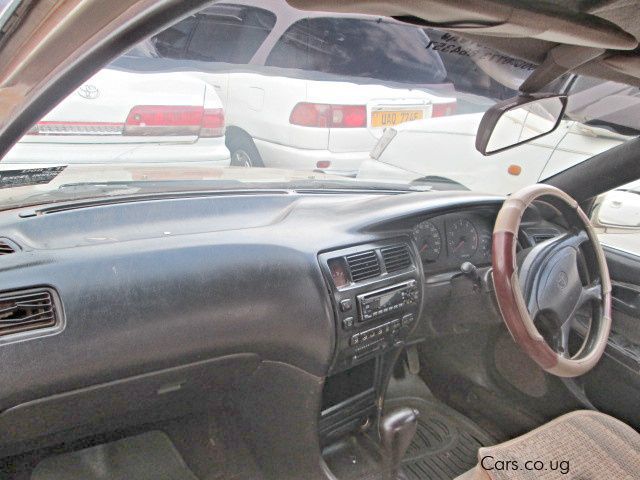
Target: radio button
x,y
346,305
347,322
355,339
407,319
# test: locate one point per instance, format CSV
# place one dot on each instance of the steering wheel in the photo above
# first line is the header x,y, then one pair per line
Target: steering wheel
x,y
551,285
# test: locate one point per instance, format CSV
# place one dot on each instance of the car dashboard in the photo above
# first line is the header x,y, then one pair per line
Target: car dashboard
x,y
163,304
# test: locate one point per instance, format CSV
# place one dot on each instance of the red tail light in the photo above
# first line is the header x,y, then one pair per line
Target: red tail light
x,y
212,123
443,109
174,120
322,115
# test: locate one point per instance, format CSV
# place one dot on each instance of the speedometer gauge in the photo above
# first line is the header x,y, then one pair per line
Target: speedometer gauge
x,y
462,239
428,240
484,250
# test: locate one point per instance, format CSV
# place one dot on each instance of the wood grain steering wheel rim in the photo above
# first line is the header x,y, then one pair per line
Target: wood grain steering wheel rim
x,y
509,294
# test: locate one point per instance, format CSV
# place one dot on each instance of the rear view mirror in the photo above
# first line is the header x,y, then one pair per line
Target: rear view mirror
x,y
519,120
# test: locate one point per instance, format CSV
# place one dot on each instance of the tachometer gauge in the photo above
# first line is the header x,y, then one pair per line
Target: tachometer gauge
x,y
462,238
428,240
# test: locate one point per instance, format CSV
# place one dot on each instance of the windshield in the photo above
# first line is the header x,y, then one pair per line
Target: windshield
x,y
259,95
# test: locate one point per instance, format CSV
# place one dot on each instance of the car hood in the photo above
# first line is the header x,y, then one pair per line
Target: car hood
x,y
467,124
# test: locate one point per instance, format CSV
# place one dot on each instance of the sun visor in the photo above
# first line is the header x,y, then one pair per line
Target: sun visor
x,y
543,22
626,64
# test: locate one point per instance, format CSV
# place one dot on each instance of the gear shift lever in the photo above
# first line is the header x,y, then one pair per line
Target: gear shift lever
x,y
397,429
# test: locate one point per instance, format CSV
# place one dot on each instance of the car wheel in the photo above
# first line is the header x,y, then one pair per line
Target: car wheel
x,y
244,153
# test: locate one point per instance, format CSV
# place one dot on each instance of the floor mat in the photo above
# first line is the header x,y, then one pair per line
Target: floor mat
x,y
445,446
149,456
446,443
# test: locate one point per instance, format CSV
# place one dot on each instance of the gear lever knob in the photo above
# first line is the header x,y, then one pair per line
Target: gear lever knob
x,y
397,430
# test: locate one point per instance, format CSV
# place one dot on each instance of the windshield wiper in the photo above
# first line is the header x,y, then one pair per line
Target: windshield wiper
x,y
435,182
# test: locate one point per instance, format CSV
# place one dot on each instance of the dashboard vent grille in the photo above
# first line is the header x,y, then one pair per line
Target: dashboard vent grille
x,y
363,265
541,237
26,310
6,247
396,258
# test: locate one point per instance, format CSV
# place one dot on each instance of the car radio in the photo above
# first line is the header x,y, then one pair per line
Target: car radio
x,y
376,294
386,302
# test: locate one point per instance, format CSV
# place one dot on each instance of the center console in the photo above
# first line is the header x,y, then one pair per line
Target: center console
x,y
376,292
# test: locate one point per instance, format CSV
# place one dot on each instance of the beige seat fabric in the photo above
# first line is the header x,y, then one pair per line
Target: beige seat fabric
x,y
594,446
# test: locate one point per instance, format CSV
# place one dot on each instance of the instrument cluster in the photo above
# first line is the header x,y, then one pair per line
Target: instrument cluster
x,y
449,240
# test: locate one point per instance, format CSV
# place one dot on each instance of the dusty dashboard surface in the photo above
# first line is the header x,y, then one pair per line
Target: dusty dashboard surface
x,y
145,287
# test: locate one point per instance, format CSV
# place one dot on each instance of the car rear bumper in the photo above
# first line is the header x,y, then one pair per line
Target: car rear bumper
x,y
211,151
281,156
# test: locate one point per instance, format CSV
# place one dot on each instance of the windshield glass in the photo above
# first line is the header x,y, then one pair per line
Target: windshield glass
x,y
7,7
260,95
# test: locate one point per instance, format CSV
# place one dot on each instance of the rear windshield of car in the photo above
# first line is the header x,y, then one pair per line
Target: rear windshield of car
x,y
361,48
222,33
229,33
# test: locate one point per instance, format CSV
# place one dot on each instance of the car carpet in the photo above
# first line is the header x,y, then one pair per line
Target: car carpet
x,y
446,443
149,456
444,447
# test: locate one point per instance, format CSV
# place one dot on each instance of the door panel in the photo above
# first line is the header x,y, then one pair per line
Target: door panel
x,y
614,385
626,304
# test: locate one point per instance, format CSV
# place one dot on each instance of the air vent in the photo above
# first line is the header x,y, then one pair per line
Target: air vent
x,y
396,258
363,265
542,237
27,310
6,247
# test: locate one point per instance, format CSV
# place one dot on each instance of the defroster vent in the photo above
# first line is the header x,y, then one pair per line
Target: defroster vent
x,y
363,265
6,247
396,258
26,310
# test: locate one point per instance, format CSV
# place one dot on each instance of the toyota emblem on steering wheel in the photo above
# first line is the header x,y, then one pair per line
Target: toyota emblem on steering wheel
x,y
563,280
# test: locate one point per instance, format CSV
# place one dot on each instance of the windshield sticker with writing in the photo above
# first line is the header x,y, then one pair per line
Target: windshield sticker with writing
x,y
455,45
30,176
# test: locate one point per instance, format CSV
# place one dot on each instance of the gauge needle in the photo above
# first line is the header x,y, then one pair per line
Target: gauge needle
x,y
460,244
424,247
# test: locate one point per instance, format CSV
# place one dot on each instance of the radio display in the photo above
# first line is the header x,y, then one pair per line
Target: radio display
x,y
383,303
386,300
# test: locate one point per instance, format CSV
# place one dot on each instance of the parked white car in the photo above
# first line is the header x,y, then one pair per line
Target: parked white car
x,y
124,117
426,149
616,217
620,208
307,90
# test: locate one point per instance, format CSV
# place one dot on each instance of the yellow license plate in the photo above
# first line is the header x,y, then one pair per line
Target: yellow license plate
x,y
389,118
